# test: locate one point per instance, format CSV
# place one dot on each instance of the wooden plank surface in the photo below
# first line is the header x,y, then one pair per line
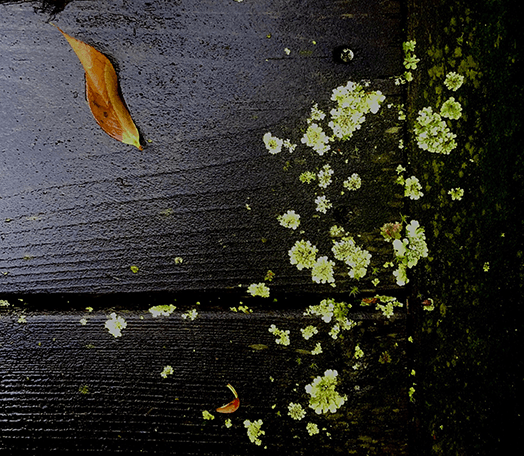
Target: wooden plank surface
x,y
65,386
204,80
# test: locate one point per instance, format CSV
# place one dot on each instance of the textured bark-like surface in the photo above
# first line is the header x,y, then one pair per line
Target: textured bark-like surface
x,y
204,81
68,386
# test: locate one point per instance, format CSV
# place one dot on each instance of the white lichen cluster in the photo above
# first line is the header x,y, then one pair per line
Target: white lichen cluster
x,y
323,397
115,325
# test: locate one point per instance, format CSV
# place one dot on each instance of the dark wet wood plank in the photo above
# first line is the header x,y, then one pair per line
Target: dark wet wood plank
x,y
203,83
72,387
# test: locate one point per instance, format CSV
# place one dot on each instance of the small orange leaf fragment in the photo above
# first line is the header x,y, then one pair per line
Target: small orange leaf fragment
x,y
104,99
233,405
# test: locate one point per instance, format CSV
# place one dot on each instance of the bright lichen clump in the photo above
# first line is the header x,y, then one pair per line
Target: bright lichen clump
x,y
282,335
356,258
162,310
296,411
303,254
289,220
322,270
254,431
168,370
259,289
456,193
432,133
409,250
115,325
323,397
207,416
308,332
190,315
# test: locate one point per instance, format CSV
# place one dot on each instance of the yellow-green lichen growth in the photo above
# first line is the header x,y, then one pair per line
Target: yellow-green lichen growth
x,y
168,370
254,431
162,310
207,416
323,397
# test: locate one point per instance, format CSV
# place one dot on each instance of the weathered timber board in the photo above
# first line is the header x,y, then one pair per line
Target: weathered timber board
x,y
69,387
203,83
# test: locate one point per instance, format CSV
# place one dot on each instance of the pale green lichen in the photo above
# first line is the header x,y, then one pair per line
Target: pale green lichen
x,y
412,187
356,258
353,182
307,177
451,109
207,416
228,423
323,204
282,336
312,429
322,270
254,431
317,350
316,139
432,133
303,254
323,397
168,370
190,315
296,411
384,304
115,325
359,353
243,309
456,193
259,289
309,331
453,81
162,310
273,144
324,176
289,220
353,103
316,114
22,319
289,145
83,321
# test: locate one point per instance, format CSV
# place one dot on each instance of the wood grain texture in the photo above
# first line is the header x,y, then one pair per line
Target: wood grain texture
x,y
69,387
204,84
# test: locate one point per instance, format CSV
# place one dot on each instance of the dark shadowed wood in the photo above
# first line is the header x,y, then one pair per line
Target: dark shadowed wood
x,y
203,81
66,386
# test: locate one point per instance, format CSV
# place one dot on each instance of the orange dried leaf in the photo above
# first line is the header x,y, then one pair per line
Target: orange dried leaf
x,y
233,405
106,104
